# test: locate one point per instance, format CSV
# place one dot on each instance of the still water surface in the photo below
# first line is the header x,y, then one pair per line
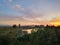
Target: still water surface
x,y
28,30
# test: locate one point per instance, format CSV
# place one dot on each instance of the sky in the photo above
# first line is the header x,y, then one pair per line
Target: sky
x,y
30,12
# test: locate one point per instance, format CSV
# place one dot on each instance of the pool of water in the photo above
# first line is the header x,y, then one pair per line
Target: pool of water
x,y
28,30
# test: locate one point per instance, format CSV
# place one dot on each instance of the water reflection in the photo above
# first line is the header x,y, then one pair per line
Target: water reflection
x,y
27,30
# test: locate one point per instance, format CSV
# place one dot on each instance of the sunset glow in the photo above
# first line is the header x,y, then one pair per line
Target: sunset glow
x,y
56,23
30,12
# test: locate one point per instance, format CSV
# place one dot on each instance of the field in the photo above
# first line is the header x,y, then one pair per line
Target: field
x,y
43,36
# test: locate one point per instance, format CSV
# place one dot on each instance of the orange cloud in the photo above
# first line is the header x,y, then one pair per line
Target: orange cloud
x,y
55,21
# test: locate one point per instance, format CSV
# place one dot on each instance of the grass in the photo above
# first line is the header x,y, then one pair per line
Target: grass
x,y
11,32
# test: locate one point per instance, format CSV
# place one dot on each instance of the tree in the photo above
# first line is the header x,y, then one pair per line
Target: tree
x,y
19,25
14,26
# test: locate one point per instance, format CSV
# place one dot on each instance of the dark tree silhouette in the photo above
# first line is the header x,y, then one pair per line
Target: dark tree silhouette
x,y
14,26
19,25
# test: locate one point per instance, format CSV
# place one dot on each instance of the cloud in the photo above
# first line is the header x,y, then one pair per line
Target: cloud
x,y
55,21
32,13
10,1
18,7
41,14
40,11
5,19
29,13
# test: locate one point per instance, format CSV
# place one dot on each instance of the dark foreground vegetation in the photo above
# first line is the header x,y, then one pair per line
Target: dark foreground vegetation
x,y
48,35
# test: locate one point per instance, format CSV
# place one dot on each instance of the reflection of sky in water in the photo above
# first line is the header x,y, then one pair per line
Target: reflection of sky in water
x,y
28,30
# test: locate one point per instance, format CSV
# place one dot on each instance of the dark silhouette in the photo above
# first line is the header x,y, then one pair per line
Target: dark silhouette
x,y
57,30
4,40
14,26
19,25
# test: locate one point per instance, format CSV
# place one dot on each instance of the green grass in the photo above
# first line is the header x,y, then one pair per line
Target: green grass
x,y
11,32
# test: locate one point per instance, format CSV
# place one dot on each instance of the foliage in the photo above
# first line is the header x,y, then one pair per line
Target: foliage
x,y
46,36
14,26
